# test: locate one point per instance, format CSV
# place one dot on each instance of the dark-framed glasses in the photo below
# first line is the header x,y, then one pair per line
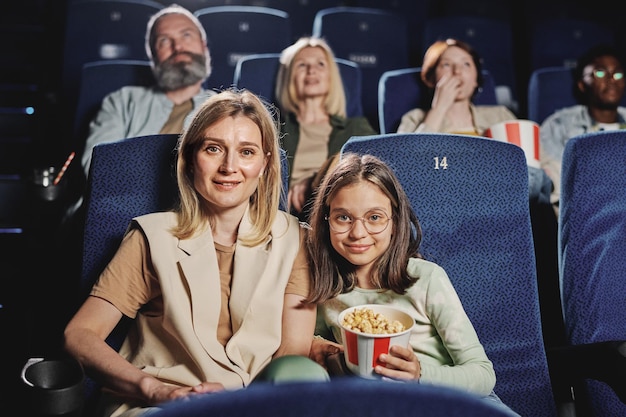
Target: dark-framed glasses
x,y
601,73
373,221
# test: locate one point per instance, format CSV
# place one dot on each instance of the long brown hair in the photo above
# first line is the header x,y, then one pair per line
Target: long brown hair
x,y
330,273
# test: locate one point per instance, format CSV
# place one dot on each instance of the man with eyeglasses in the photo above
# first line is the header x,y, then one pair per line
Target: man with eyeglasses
x,y
599,89
176,45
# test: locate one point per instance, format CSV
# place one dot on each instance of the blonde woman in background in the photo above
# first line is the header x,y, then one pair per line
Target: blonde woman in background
x,y
314,123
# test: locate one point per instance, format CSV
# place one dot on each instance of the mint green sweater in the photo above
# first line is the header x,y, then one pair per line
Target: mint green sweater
x,y
443,338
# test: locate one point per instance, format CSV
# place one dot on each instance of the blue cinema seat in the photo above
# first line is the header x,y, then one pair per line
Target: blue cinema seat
x,y
476,224
560,40
592,249
104,29
236,31
99,78
376,39
344,397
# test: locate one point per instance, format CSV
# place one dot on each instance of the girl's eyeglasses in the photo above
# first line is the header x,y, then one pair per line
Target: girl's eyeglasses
x,y
373,221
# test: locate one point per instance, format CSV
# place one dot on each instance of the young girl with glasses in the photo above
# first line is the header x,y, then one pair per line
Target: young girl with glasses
x,y
363,246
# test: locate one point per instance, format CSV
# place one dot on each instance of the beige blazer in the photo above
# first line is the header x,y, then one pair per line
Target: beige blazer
x,y
180,346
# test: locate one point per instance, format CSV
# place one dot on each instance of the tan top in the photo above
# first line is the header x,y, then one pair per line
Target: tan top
x,y
312,151
175,122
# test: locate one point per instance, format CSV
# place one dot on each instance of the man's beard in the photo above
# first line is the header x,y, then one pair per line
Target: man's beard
x,y
172,75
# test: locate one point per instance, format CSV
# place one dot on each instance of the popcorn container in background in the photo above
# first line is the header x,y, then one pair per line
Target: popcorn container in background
x,y
523,133
362,350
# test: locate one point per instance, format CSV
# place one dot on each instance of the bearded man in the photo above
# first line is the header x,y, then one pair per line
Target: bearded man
x,y
177,47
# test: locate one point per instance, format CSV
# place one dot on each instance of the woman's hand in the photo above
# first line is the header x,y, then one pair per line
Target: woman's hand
x,y
321,349
401,363
445,95
446,92
164,392
297,195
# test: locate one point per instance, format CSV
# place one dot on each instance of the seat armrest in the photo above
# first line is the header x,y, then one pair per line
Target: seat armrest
x,y
602,361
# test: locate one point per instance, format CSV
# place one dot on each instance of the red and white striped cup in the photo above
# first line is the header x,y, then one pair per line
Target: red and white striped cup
x,y
362,350
523,133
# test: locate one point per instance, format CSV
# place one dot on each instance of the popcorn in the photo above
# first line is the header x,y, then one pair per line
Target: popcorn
x,y
364,320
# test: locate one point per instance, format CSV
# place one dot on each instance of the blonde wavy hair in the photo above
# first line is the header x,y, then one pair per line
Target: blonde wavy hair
x,y
286,94
193,212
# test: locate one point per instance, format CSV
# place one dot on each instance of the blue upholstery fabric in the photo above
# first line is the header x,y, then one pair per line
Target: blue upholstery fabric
x,y
376,39
592,248
471,197
416,13
344,397
401,90
549,89
96,30
100,78
258,73
301,12
237,31
127,178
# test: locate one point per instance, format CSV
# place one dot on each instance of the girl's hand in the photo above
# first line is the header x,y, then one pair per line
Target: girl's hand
x,y
401,363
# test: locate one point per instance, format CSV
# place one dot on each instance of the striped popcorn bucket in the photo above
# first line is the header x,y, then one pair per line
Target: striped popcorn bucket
x,y
523,133
362,350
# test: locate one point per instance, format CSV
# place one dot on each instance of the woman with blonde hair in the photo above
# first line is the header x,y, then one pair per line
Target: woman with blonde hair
x,y
216,288
314,123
